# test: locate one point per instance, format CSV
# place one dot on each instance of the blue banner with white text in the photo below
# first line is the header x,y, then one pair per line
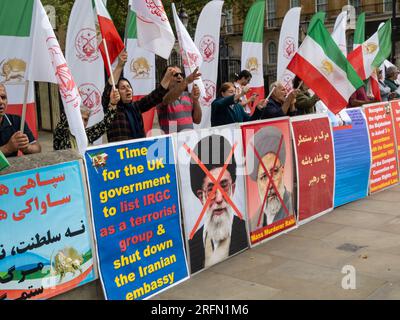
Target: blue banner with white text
x,y
353,158
136,217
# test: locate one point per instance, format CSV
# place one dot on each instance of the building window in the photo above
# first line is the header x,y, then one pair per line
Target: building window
x,y
295,3
271,13
357,5
272,53
387,5
321,5
229,21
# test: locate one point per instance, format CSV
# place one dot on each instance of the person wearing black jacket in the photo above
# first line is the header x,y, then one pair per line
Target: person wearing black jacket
x,y
128,121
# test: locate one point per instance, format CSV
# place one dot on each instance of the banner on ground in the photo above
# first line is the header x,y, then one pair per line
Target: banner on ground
x,y
212,190
315,162
269,178
45,237
384,169
352,156
136,218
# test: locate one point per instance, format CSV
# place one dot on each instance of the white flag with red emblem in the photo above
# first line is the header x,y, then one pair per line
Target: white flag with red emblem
x,y
288,45
191,56
207,41
47,63
84,59
153,28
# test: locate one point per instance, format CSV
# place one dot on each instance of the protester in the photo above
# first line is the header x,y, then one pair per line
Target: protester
x,y
183,112
227,109
12,139
391,77
359,98
384,89
63,139
305,103
280,103
128,121
241,80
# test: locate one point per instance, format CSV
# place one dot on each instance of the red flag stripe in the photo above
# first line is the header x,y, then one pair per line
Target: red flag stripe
x,y
318,83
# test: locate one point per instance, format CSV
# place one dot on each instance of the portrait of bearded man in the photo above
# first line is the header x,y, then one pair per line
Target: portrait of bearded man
x,y
267,141
223,232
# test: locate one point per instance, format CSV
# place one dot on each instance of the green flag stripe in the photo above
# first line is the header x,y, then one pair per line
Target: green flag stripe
x,y
16,17
131,25
317,16
253,30
328,45
385,44
359,34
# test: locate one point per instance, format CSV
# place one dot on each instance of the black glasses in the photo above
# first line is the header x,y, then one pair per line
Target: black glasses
x,y
176,75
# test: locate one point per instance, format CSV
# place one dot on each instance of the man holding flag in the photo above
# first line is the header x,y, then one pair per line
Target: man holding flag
x,y
12,139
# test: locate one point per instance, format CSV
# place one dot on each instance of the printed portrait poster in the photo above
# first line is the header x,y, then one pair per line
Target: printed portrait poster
x,y
45,237
136,217
315,161
269,178
352,158
212,194
395,106
384,169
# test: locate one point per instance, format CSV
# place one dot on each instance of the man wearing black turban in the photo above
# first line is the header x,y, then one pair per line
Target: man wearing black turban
x,y
223,233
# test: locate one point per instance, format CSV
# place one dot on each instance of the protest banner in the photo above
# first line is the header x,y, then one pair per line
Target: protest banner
x,y
136,216
315,164
395,107
269,178
45,237
352,157
212,189
384,169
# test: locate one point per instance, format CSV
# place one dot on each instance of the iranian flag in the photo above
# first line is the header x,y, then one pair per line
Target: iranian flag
x,y
46,63
140,69
107,32
15,26
373,52
252,48
359,33
323,67
84,59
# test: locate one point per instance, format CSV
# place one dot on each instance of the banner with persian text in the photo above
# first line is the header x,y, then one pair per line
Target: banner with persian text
x,y
315,162
45,238
136,217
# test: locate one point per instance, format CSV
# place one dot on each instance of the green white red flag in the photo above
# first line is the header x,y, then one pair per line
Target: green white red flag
x,y
108,32
323,67
252,48
373,52
25,30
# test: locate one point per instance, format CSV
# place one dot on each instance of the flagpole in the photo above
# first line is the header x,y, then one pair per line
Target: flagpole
x,y
23,115
109,63
267,98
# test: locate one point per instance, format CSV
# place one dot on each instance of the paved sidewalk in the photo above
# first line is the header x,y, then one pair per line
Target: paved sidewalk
x,y
305,263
